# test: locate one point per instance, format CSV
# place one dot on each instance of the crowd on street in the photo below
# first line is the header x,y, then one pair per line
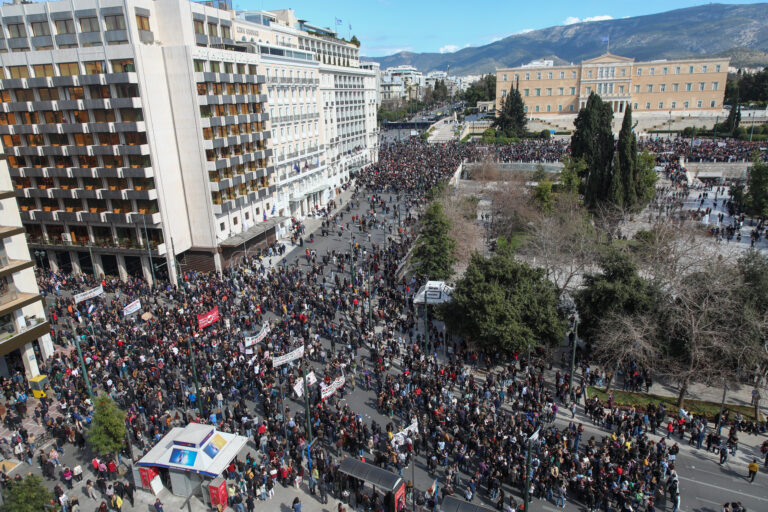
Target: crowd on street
x,y
352,309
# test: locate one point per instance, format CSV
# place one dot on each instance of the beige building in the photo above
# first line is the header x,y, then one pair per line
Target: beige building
x,y
654,86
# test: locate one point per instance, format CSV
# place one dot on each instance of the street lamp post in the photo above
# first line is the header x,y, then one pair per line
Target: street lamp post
x,y
752,126
714,135
527,498
85,371
149,251
194,375
573,353
306,413
722,408
426,319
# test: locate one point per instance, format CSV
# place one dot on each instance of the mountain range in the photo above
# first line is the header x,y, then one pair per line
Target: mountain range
x,y
739,31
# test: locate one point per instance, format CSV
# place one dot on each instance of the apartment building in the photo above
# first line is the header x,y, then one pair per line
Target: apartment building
x,y
655,86
138,132
24,331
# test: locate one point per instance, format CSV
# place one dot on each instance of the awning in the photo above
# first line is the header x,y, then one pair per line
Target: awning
x,y
196,448
379,478
435,292
451,504
257,230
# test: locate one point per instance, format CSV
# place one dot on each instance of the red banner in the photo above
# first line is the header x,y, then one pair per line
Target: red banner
x,y
207,319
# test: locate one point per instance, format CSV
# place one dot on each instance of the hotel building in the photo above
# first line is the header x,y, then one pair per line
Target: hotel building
x,y
143,136
661,86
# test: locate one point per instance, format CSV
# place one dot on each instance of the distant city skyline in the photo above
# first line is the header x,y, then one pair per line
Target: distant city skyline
x,y
385,27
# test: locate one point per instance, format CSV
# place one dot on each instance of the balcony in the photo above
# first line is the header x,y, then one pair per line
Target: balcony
x,y
13,337
10,267
14,300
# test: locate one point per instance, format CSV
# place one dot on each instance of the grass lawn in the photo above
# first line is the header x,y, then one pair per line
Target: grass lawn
x,y
701,407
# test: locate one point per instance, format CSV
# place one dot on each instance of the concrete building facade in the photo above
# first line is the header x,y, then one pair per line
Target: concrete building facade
x,y
139,133
24,330
655,86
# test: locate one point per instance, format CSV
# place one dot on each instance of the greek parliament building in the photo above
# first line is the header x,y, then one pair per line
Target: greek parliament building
x,y
661,86
147,136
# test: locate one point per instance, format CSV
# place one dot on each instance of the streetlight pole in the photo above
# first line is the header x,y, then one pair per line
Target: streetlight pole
x,y
527,498
752,126
722,408
85,371
426,319
573,353
194,374
149,251
306,413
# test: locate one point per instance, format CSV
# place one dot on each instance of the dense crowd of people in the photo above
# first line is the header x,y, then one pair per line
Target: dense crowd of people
x,y
353,312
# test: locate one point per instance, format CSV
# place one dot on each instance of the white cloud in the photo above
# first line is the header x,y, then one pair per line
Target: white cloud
x,y
570,20
525,31
449,48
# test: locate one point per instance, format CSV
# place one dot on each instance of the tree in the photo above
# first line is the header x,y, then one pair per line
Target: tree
x,y
626,152
503,304
592,142
617,289
107,432
570,175
511,120
27,495
434,252
355,41
482,90
542,195
734,117
756,197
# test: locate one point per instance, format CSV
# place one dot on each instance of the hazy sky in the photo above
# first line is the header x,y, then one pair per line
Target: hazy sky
x,y
389,26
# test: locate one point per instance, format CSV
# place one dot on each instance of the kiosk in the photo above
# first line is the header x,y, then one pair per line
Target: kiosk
x,y
389,483
189,457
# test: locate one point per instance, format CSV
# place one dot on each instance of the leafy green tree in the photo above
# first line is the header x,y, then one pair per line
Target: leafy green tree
x,y
734,118
482,90
27,495
355,41
434,254
756,197
511,120
570,175
617,289
106,434
543,196
592,142
503,304
626,151
646,179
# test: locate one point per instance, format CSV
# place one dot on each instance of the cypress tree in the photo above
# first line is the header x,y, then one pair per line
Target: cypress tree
x,y
626,169
593,142
511,120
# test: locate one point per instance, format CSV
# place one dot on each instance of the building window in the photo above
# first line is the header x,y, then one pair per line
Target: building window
x,y
715,85
549,91
701,86
225,33
123,66
664,70
527,76
573,91
685,104
699,104
538,92
18,72
690,69
562,75
704,69
713,103
65,27
674,104
661,104
675,87
637,89
650,87
115,22
95,67
199,65
589,73
525,92
648,105
89,25
505,77
199,27
537,108
663,88
588,90
42,70
213,30
549,108
717,68
559,108
538,76
503,94
525,108
41,28
17,30
560,91
69,69
652,71
677,70
222,226
689,86
571,108
623,72
621,89
634,107
142,23
549,75
639,71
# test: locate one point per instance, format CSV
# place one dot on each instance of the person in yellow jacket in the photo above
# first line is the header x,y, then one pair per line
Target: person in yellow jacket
x,y
117,502
753,469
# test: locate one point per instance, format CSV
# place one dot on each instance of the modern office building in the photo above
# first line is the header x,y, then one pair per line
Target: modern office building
x,y
138,132
661,86
24,331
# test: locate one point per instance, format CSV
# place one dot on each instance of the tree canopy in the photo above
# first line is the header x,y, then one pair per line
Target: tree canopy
x,y
592,142
107,431
511,120
503,304
434,252
26,495
482,90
